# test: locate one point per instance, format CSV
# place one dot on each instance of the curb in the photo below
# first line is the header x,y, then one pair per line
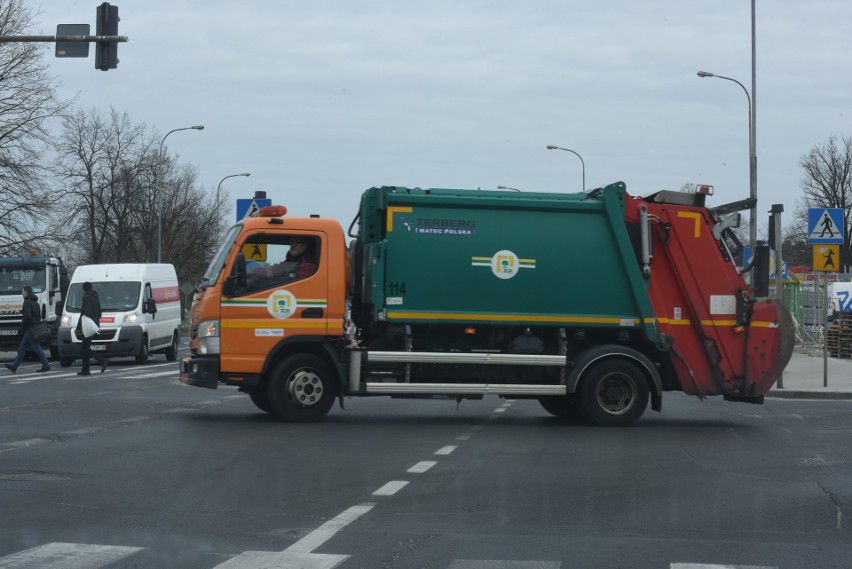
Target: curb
x,y
804,394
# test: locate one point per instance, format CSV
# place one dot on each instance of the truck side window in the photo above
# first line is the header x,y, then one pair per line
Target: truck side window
x,y
275,260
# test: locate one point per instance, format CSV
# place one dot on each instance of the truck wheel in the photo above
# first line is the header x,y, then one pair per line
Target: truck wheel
x,y
613,394
142,356
66,362
562,406
172,351
261,401
301,388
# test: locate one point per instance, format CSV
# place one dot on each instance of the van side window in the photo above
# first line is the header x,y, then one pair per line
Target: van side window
x,y
275,260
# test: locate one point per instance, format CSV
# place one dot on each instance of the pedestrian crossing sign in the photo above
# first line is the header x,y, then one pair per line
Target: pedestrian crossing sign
x,y
826,258
825,225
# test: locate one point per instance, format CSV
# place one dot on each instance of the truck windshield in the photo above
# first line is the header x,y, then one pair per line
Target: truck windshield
x,y
113,296
13,279
219,258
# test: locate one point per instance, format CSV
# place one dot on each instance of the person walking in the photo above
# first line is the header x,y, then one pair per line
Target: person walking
x,y
91,307
30,316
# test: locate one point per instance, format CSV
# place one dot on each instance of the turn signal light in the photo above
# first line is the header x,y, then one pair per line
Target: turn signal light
x,y
470,331
739,329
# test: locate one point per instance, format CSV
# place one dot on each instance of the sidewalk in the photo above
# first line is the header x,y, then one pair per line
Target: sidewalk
x,y
804,378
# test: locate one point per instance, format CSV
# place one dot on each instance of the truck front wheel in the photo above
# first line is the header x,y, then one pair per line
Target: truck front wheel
x,y
614,394
302,388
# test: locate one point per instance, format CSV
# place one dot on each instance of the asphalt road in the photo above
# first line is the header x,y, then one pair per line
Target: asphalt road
x,y
133,469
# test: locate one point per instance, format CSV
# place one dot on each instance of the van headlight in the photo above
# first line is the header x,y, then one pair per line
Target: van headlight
x,y
131,318
208,338
66,320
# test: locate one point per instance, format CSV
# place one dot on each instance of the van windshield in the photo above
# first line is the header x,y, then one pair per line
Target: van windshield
x,y
113,296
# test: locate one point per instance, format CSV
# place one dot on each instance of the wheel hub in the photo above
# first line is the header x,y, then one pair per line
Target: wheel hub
x,y
305,388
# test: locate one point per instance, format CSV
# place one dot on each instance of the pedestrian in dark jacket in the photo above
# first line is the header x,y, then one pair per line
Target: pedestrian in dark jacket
x,y
30,316
90,307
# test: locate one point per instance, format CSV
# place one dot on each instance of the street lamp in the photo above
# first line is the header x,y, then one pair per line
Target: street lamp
x,y
508,188
752,158
157,188
551,147
219,187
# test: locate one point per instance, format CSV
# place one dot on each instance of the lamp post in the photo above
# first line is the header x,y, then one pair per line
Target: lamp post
x,y
508,188
219,187
551,147
157,188
752,158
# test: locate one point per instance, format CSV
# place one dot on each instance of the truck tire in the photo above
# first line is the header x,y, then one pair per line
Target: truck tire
x,y
261,401
66,362
172,351
562,406
142,356
301,388
614,393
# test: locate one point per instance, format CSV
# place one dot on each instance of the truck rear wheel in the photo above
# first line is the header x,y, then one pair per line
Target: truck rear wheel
x,y
613,393
562,406
302,388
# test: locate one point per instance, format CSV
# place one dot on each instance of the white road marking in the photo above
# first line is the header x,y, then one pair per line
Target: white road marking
x,y
81,432
464,437
446,450
23,444
327,530
421,467
66,555
131,420
500,564
713,566
282,560
174,372
500,410
477,427
391,488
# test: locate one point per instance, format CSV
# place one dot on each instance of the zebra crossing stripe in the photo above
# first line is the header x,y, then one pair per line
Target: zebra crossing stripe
x,y
60,555
713,566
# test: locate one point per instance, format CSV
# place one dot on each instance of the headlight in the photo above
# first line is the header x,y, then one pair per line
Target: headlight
x,y
131,318
66,320
208,338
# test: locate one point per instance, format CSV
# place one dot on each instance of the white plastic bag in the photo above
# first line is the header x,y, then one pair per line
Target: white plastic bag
x,y
89,327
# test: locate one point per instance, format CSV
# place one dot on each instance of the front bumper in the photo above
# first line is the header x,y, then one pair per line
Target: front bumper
x,y
200,372
114,342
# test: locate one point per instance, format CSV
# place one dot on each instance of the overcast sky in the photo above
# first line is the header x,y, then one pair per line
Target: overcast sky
x,y
320,100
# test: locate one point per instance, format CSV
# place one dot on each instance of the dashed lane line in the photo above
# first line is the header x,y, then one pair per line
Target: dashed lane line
x,y
421,467
391,488
64,555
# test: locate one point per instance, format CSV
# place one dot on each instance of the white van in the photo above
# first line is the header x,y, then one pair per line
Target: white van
x,y
140,312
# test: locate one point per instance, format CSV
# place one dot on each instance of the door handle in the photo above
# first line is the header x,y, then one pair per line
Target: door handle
x,y
313,312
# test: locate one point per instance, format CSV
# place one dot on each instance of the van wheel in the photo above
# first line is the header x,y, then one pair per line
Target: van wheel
x,y
142,356
54,353
172,351
261,401
66,362
613,393
302,388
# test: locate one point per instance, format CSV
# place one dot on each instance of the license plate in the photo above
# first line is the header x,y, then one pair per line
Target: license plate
x,y
98,347
8,332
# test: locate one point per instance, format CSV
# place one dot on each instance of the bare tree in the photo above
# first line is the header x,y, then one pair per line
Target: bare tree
x,y
827,182
106,170
27,100
102,163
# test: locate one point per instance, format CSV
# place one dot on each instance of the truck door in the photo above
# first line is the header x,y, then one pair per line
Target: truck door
x,y
285,297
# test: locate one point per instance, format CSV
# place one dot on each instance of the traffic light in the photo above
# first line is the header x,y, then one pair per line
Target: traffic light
x,y
106,52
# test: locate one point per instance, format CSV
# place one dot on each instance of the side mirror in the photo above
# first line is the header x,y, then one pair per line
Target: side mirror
x,y
238,277
150,306
760,275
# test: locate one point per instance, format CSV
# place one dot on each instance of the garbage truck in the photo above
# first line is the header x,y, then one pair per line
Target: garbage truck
x,y
594,303
48,278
